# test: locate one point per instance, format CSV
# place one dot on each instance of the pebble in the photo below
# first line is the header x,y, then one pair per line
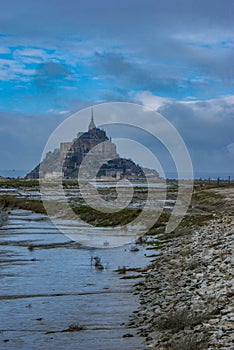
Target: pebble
x,y
192,282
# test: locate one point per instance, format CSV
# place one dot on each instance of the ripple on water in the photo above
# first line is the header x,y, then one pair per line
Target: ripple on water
x,y
46,290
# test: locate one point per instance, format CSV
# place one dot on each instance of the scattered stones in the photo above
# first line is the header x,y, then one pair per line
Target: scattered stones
x,y
187,297
127,335
71,328
148,338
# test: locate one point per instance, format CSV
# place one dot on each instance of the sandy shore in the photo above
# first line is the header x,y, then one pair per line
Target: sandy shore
x,y
187,297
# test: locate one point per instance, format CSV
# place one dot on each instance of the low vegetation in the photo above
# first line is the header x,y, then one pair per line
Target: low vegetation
x,y
189,342
203,206
179,320
12,202
18,183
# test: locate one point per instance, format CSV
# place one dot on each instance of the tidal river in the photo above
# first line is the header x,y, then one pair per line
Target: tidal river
x,y
47,290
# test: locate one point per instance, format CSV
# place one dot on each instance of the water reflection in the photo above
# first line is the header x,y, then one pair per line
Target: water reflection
x,y
54,285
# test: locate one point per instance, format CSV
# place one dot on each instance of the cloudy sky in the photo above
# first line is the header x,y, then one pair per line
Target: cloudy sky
x,y
175,56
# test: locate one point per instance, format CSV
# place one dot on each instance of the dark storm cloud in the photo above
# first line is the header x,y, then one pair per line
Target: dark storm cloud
x,y
132,75
191,38
134,15
163,47
152,27
207,128
49,74
22,138
206,125
165,78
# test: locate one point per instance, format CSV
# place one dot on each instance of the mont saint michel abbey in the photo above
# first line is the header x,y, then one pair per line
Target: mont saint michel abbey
x,y
70,155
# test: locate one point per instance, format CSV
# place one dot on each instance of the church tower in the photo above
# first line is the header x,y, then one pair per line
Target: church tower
x,y
92,124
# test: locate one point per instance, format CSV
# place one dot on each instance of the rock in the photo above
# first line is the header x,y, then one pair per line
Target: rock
x,y
127,335
194,275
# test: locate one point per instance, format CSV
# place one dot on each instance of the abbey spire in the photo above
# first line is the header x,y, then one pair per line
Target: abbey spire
x,y
92,124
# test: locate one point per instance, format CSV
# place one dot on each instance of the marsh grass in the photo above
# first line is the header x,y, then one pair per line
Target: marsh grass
x,y
75,327
12,202
210,201
179,320
189,342
18,183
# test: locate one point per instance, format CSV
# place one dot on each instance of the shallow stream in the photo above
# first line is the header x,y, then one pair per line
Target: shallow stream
x,y
48,288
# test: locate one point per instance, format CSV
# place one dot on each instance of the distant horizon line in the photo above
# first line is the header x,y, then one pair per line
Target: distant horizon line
x,y
212,175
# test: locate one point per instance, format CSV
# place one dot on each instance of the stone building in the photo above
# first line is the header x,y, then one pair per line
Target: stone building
x,y
102,157
73,153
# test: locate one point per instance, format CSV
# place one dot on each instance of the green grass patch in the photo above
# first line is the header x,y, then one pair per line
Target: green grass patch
x,y
18,183
11,202
101,219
